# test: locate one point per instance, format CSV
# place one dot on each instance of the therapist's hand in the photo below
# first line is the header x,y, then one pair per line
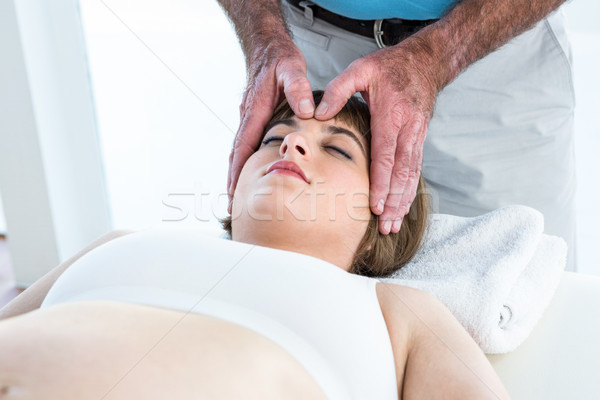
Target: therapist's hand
x,y
400,86
277,71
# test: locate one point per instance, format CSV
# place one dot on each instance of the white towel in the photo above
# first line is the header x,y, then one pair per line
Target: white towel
x,y
496,273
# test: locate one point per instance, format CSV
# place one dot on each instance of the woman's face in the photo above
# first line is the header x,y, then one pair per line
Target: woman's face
x,y
306,173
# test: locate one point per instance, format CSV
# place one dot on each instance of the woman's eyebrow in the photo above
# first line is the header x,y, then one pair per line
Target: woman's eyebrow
x,y
287,122
336,130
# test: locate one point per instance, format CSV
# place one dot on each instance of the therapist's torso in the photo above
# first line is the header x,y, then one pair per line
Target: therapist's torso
x,y
380,9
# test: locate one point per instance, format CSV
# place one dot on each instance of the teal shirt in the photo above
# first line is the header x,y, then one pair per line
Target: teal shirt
x,y
380,9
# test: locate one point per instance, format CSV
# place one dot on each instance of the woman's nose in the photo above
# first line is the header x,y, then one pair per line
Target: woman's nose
x,y
295,145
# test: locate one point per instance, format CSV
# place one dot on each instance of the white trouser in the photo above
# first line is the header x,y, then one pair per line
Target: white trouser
x,y
501,133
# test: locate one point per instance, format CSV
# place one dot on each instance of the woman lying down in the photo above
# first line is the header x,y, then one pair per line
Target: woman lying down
x,y
287,309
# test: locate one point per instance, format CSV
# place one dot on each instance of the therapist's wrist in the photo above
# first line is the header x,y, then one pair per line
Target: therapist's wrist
x,y
426,59
273,53
474,29
258,24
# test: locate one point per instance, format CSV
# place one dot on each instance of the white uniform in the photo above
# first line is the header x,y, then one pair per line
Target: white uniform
x,y
502,132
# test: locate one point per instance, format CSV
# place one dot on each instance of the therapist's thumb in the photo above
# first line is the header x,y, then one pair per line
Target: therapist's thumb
x,y
297,89
337,93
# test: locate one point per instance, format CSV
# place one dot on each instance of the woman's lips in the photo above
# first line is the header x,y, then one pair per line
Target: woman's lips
x,y
288,168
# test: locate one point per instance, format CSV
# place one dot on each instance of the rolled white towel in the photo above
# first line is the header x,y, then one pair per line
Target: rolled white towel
x,y
496,273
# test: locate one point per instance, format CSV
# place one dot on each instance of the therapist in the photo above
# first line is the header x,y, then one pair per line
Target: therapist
x,y
497,71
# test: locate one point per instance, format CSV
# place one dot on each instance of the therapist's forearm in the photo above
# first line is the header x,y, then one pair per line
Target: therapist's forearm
x,y
473,29
259,24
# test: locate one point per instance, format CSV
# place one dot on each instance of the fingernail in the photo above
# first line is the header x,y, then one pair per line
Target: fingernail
x,y
322,109
387,225
306,106
397,224
379,207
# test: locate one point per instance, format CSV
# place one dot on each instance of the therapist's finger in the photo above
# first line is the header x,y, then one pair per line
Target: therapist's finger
x,y
255,113
383,153
391,218
336,94
245,144
297,89
409,191
417,162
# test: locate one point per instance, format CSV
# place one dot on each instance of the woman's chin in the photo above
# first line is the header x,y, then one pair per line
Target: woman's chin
x,y
267,209
269,226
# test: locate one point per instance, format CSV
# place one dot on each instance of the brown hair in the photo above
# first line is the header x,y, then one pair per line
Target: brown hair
x,y
377,254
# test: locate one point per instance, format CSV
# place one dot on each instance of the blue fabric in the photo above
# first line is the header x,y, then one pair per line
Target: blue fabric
x,y
379,9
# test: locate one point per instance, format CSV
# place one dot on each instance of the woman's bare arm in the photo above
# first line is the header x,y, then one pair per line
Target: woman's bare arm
x,y
443,360
33,296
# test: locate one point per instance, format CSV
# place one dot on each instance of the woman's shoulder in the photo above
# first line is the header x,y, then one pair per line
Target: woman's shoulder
x,y
404,299
410,313
441,357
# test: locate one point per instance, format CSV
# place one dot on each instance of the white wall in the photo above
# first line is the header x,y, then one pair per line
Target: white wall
x,y
51,175
168,78
2,220
585,37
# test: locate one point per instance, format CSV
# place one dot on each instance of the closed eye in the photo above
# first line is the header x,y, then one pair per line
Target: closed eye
x,y
336,149
271,139
340,151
